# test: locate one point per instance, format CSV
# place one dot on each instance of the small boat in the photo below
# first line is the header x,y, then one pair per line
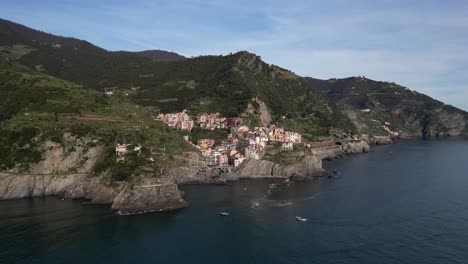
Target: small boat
x,y
225,214
302,219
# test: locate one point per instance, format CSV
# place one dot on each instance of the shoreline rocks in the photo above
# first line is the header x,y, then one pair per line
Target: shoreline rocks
x,y
149,195
18,186
163,194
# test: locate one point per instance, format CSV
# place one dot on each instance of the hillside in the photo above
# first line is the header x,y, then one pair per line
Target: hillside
x,y
38,110
371,103
52,88
234,85
226,84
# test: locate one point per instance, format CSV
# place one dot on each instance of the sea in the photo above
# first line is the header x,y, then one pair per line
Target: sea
x,y
400,203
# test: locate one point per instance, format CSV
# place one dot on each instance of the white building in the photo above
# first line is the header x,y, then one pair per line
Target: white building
x,y
238,161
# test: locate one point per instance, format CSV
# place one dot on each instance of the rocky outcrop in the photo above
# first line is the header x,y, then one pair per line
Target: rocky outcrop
x,y
148,196
328,152
187,175
256,169
17,186
259,108
445,123
96,191
342,148
380,140
355,146
76,155
310,165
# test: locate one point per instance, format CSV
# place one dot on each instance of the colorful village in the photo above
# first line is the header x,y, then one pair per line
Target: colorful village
x,y
241,143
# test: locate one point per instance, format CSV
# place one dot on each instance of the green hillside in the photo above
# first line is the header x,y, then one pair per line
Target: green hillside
x,y
224,84
408,111
52,85
36,108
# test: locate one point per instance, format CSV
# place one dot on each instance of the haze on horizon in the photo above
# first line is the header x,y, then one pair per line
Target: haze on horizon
x,y
423,46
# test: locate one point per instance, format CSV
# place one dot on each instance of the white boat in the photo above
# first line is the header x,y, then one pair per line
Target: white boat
x,y
302,219
224,213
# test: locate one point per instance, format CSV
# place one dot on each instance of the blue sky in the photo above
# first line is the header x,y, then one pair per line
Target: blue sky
x,y
420,44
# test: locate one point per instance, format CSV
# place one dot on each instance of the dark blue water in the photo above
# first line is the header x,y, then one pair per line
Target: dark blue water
x,y
404,203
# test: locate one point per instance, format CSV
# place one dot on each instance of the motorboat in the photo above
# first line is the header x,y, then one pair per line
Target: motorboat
x,y
302,219
225,213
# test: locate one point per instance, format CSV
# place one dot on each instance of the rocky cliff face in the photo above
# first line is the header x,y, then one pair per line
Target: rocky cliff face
x,y
52,177
259,108
379,140
309,166
148,195
76,155
14,186
355,146
445,123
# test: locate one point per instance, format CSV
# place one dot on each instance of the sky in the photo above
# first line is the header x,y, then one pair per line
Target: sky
x,y
419,44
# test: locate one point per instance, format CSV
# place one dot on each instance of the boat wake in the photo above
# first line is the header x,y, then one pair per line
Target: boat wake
x,y
282,203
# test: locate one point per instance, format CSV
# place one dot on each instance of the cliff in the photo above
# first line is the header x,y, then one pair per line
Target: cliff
x,y
310,165
148,195
74,156
17,186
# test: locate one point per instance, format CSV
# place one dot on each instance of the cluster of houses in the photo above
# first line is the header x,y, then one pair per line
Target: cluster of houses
x,y
180,120
184,121
244,143
240,144
211,121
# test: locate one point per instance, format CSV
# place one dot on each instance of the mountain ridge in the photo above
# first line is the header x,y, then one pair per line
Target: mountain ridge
x,y
161,55
225,84
393,103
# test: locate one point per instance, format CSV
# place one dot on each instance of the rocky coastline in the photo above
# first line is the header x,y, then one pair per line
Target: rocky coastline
x,y
162,194
147,195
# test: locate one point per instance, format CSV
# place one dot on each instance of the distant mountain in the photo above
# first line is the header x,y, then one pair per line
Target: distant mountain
x,y
13,33
161,55
371,103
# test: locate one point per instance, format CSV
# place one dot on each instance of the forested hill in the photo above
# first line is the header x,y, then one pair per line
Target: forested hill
x,y
226,84
409,112
239,84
